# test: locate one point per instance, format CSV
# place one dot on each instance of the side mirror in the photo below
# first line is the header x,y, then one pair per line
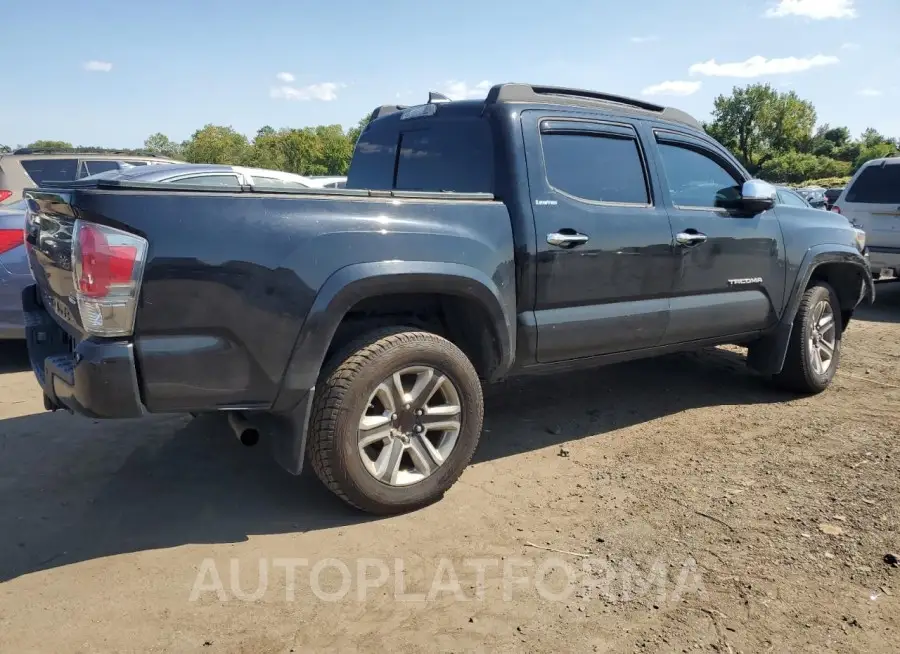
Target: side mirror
x,y
757,196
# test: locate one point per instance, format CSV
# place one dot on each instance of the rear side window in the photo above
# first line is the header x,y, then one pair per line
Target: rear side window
x,y
595,167
876,184
446,157
42,171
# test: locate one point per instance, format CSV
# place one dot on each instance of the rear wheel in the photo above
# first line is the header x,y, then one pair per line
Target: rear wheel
x,y
396,419
814,351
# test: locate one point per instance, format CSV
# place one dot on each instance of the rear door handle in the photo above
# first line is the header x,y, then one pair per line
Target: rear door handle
x,y
567,240
689,239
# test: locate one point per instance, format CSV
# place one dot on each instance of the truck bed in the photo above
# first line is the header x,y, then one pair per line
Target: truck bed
x,y
231,277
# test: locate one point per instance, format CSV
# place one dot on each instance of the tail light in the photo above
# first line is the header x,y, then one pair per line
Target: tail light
x,y
11,238
108,266
836,209
5,195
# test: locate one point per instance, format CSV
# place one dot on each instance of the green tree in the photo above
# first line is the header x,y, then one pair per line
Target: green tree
x,y
216,144
51,145
160,144
757,123
4,149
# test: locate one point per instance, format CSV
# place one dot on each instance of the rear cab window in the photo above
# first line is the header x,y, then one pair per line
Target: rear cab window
x,y
424,154
42,171
876,184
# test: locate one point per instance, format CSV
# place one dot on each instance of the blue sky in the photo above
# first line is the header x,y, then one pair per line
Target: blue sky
x,y
109,73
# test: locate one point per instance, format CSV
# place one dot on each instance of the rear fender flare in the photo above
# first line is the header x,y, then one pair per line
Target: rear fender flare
x,y
347,286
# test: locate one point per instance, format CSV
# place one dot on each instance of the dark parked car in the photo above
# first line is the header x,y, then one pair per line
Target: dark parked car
x,y
539,230
831,196
14,272
27,167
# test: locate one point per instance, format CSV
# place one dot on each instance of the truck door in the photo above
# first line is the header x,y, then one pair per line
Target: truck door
x,y
604,245
730,277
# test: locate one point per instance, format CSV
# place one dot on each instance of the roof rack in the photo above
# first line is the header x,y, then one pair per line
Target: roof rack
x,y
516,92
129,153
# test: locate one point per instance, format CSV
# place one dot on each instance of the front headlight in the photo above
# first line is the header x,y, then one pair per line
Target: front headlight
x,y
860,239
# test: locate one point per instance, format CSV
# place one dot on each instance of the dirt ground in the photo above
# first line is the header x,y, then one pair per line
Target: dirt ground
x,y
693,509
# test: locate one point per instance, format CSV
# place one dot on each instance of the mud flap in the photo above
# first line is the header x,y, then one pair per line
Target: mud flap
x,y
287,433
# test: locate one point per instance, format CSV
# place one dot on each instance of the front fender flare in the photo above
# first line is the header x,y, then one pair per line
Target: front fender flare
x,y
768,355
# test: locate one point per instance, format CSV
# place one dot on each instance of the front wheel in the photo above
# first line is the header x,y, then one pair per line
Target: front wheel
x,y
396,419
814,351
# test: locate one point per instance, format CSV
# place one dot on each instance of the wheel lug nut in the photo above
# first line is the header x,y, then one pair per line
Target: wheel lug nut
x,y
419,412
407,406
393,416
418,429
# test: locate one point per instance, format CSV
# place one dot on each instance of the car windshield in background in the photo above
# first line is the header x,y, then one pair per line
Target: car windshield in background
x,y
876,184
50,170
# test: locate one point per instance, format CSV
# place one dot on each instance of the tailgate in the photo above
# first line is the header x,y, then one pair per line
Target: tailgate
x,y
49,222
873,202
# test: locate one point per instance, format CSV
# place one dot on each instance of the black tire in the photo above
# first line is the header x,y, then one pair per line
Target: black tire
x,y
342,395
798,374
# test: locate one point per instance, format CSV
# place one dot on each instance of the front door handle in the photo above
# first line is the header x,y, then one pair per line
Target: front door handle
x,y
567,240
689,239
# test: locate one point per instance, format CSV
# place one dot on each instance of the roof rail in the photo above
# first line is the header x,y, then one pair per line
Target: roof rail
x,y
130,153
516,92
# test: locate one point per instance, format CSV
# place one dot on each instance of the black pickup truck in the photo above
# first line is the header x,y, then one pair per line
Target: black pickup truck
x,y
541,229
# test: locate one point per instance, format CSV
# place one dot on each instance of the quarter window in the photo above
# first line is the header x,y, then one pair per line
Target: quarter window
x,y
696,179
595,167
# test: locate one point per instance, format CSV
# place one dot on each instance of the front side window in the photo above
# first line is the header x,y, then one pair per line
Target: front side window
x,y
42,171
595,167
696,179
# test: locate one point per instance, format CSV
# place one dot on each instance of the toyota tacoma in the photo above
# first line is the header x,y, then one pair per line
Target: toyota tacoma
x,y
541,229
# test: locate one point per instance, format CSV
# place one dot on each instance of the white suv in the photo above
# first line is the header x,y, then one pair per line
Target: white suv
x,y
871,202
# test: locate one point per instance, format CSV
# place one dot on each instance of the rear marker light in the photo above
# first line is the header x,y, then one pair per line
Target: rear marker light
x,y
108,269
836,209
5,194
11,239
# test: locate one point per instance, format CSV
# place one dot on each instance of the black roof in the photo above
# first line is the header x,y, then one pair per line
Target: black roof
x,y
538,94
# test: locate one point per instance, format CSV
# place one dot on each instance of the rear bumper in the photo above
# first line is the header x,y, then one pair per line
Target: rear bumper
x,y
880,258
94,378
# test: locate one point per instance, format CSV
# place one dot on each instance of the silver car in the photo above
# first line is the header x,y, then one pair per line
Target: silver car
x,y
28,168
871,202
